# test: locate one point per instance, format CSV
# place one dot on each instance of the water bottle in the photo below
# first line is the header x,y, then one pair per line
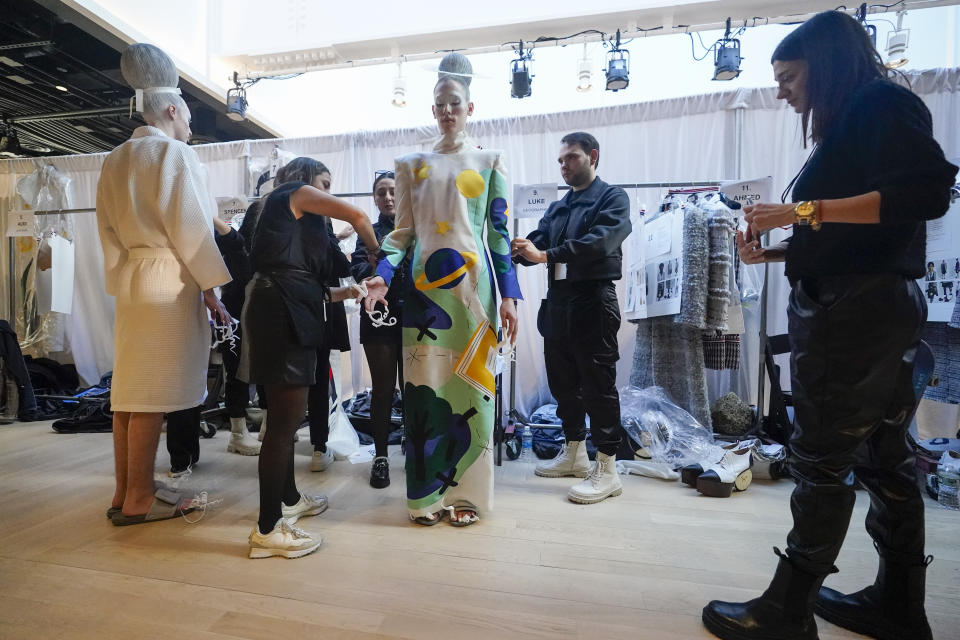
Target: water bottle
x,y
526,444
948,480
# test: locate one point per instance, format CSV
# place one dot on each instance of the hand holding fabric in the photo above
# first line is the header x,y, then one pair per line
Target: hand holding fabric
x,y
763,217
752,253
526,249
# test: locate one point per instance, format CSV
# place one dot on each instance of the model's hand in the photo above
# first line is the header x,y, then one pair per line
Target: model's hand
x,y
752,253
523,248
508,319
376,292
221,227
218,312
763,217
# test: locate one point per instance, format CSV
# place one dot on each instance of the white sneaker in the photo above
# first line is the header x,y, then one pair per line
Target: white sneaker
x,y
321,460
571,461
602,482
284,540
306,506
241,441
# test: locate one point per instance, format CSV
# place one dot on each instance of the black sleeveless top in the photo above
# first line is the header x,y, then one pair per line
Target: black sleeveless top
x,y
295,255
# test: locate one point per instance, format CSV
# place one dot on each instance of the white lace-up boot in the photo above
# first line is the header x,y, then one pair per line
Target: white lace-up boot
x,y
571,461
263,426
602,482
241,441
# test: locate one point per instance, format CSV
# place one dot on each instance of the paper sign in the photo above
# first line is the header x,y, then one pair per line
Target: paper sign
x,y
20,223
657,236
230,206
62,255
749,191
532,200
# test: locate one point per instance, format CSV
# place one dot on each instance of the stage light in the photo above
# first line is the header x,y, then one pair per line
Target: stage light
x,y
726,65
726,61
521,83
237,101
60,87
618,67
584,72
399,89
897,42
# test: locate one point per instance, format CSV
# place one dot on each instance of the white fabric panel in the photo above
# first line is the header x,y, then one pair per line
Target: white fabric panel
x,y
682,139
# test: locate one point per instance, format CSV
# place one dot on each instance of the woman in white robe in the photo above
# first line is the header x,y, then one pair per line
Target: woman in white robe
x,y
161,263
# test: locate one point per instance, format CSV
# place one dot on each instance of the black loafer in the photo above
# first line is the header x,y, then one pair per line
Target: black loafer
x,y
380,473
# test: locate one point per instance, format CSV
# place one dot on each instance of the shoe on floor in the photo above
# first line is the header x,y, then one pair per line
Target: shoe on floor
x,y
602,482
284,540
179,472
306,506
571,461
380,473
241,440
166,505
321,460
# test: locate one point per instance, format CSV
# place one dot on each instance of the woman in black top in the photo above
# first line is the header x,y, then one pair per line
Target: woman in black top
x,y
284,324
874,177
382,344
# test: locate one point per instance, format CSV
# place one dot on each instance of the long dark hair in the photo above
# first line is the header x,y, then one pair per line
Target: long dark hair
x,y
301,169
840,59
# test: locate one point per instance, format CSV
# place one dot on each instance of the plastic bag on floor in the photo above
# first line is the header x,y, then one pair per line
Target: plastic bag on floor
x,y
343,439
668,433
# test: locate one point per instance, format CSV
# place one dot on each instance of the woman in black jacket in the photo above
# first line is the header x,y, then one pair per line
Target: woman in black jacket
x,y
855,313
382,344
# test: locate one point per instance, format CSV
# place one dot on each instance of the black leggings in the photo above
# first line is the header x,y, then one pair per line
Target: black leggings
x,y
275,466
386,367
237,392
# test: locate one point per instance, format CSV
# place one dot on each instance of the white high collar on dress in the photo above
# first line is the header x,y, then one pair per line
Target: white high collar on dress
x,y
147,130
456,143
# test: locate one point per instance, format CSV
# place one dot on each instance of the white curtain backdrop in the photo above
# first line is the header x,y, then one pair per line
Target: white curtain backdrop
x,y
683,139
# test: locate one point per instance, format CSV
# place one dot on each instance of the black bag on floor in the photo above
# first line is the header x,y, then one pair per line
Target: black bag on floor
x,y
93,416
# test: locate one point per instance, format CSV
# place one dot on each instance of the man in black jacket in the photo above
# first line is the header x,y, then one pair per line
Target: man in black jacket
x,y
579,239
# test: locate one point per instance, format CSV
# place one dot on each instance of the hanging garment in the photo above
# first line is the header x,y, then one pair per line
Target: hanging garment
x,y
721,229
670,355
944,341
696,268
156,227
451,209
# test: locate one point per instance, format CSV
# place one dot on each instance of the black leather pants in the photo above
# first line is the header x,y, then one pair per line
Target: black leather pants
x,y
579,324
852,342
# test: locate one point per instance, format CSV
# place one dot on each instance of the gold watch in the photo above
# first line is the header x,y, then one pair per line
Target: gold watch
x,y
807,214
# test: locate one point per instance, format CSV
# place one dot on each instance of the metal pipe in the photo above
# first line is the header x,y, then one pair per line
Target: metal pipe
x,y
72,115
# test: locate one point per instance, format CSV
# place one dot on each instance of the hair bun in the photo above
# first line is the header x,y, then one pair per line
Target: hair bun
x,y
455,65
144,66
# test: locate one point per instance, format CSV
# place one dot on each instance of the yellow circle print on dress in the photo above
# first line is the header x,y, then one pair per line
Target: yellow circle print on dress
x,y
470,183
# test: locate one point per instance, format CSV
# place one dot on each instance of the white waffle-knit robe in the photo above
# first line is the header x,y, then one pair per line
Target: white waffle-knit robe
x,y
156,226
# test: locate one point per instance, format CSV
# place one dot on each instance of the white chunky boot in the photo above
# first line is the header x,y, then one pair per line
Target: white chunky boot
x,y
241,441
572,461
602,482
263,426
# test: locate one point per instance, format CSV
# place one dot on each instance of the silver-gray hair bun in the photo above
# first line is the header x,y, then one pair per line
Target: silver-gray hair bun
x,y
456,66
144,66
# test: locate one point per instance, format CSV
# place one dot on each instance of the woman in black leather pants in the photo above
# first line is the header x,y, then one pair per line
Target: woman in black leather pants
x,y
874,177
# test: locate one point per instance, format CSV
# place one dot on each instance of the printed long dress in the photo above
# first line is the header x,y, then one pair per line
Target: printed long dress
x,y
451,208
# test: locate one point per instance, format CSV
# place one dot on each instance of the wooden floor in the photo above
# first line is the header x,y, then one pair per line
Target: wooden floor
x,y
640,566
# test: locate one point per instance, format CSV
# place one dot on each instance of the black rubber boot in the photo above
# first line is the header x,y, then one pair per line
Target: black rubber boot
x,y
889,609
783,612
